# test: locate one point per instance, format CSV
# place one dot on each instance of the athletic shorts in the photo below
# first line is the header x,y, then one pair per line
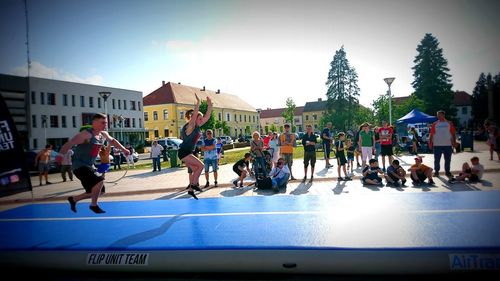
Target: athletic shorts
x,y
341,158
310,156
181,153
386,150
89,178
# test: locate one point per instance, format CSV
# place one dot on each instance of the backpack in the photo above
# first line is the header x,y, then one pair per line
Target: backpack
x,y
264,183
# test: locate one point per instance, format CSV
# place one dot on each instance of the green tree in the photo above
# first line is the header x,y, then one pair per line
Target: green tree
x,y
289,111
210,124
480,98
222,125
432,82
342,93
412,102
361,114
272,128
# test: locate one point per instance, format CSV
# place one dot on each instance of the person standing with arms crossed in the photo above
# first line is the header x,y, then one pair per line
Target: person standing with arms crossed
x,y
326,137
442,139
309,143
190,133
87,144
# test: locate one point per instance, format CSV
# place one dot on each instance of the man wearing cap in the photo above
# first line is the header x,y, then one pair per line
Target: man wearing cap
x,y
442,139
287,143
419,172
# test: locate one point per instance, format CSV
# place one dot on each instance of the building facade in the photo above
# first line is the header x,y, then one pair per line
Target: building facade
x,y
312,114
462,102
165,107
55,110
272,119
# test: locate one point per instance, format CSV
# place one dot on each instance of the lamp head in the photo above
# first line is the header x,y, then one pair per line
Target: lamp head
x,y
389,80
105,95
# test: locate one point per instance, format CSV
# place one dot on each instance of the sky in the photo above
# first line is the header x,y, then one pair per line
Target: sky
x,y
261,51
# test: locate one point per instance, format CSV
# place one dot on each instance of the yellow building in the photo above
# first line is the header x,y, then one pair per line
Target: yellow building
x,y
164,111
312,114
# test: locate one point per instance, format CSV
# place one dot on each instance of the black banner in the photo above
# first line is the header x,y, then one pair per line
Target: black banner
x,y
14,176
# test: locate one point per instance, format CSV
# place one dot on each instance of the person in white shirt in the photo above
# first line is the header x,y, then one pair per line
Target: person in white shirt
x,y
474,173
66,165
280,174
155,154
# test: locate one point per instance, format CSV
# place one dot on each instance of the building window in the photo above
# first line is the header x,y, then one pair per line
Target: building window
x,y
73,100
165,132
35,143
155,115
82,101
181,115
98,102
133,122
235,118
74,121
165,114
51,99
127,123
228,117
254,118
156,133
54,121
138,105
44,121
315,117
91,101
132,105
63,121
119,104
140,123
464,110
240,118
65,99
307,117
33,121
220,116
42,98
33,97
246,118
147,134
113,103
146,118
124,104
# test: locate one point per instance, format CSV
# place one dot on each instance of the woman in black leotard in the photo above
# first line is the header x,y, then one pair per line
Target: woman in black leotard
x,y
190,133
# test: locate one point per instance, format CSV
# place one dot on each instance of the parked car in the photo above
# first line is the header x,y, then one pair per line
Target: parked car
x,y
170,143
226,139
30,156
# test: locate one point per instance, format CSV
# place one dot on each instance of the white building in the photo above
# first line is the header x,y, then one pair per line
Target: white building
x,y
55,110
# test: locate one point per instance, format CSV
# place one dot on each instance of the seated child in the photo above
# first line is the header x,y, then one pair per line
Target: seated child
x,y
241,168
474,173
370,173
280,174
395,173
420,172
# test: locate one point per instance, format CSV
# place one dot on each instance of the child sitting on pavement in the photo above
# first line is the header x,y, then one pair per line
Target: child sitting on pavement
x,y
419,172
474,173
395,173
370,173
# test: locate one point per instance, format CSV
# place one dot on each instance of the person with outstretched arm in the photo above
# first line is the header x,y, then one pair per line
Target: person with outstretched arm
x,y
87,145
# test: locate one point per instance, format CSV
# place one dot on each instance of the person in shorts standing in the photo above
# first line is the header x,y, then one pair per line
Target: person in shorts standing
x,y
385,136
309,143
287,143
209,149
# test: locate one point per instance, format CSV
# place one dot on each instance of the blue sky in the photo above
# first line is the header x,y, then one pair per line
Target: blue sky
x,y
262,51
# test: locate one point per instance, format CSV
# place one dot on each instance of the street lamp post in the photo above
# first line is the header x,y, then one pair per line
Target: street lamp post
x,y
44,124
389,82
105,96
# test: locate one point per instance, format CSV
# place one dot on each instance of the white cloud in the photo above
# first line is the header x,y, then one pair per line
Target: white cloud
x,y
42,71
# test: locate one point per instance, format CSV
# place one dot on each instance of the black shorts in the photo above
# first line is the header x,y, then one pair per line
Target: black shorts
x,y
420,176
386,150
181,153
341,160
237,171
89,178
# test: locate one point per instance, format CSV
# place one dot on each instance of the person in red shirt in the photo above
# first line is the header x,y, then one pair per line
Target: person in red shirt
x,y
385,135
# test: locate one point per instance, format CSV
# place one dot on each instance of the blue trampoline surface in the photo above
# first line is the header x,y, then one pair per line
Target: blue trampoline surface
x,y
431,221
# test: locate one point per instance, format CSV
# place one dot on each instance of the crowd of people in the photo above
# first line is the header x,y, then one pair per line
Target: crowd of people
x,y
270,158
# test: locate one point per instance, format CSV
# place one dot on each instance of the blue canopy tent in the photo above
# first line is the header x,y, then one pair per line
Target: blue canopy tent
x,y
416,116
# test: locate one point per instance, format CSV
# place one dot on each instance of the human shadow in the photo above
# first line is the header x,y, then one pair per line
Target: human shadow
x,y
322,172
460,186
339,188
236,191
130,240
302,188
486,183
149,174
